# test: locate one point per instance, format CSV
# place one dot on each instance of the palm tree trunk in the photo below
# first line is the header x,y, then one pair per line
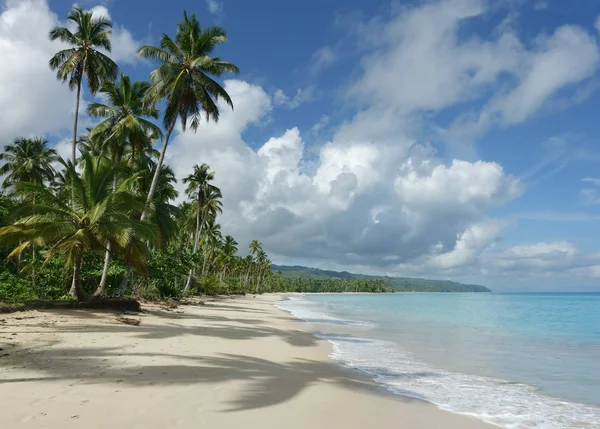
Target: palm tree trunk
x,y
124,282
161,160
258,280
74,149
204,263
104,279
188,283
76,287
247,275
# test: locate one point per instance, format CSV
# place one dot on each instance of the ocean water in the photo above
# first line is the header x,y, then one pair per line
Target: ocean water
x,y
514,360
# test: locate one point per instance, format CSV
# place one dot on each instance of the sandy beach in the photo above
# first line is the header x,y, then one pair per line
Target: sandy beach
x,y
235,363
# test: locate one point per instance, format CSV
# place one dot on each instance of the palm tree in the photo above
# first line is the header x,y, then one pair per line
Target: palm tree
x,y
98,215
125,124
125,114
228,249
261,261
211,237
184,79
198,184
255,247
27,160
83,58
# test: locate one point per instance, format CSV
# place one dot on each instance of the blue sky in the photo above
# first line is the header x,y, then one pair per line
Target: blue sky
x,y
445,139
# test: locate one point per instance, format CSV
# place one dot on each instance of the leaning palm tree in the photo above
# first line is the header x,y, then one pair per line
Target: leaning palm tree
x,y
83,57
184,79
126,116
98,215
197,185
27,160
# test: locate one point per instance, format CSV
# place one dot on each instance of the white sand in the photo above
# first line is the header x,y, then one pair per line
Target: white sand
x,y
238,363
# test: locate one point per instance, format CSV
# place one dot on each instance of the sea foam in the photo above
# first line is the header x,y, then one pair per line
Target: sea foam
x,y
496,401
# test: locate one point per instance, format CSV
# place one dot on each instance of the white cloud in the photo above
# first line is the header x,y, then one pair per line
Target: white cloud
x,y
303,95
540,5
215,7
320,125
598,24
593,180
26,81
323,58
424,60
360,202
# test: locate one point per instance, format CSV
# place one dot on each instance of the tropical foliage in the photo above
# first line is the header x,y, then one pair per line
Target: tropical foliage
x,y
105,222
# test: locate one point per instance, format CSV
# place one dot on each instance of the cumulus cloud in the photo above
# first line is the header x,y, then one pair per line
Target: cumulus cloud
x,y
377,197
360,202
25,78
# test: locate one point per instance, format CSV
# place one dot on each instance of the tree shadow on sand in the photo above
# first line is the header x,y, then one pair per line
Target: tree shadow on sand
x,y
268,383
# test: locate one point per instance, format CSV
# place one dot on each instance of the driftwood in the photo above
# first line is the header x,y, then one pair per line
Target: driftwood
x,y
128,320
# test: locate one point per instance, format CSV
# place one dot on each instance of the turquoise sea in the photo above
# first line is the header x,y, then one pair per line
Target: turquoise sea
x,y
514,360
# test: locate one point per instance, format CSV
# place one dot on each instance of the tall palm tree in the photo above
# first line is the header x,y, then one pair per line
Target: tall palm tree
x,y
83,58
98,214
184,79
126,114
255,247
27,160
197,184
261,261
125,125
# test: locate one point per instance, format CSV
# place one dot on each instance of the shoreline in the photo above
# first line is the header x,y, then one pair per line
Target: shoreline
x,y
233,362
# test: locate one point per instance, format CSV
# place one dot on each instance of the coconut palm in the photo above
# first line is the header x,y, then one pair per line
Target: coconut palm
x,y
98,215
83,57
197,185
126,114
211,237
263,263
184,79
125,125
255,247
228,251
27,160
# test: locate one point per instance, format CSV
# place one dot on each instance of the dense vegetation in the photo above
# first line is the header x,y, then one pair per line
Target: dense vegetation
x,y
398,284
103,223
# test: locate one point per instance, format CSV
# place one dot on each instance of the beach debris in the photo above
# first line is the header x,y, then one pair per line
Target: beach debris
x,y
128,320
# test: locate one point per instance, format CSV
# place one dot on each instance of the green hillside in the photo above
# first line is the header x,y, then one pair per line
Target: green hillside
x,y
399,284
